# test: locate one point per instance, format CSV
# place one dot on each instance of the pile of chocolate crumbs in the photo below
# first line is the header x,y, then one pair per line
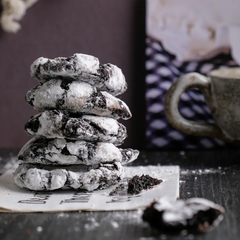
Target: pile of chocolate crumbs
x,y
137,184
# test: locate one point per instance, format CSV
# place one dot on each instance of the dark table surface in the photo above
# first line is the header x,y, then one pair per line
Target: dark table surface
x,y
214,175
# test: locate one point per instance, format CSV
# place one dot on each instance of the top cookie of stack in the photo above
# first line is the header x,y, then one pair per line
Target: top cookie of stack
x,y
105,77
77,126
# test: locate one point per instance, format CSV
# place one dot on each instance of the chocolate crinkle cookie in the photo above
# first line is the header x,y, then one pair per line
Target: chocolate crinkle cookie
x,y
60,151
191,216
58,124
42,177
76,135
105,77
76,97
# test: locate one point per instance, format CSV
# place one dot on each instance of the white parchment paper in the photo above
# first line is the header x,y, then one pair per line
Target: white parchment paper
x,y
15,199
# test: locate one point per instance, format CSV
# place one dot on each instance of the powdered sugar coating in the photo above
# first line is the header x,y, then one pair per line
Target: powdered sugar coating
x,y
192,215
46,178
58,124
59,151
83,67
76,97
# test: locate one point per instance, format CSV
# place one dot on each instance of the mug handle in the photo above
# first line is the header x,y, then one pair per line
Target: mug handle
x,y
171,106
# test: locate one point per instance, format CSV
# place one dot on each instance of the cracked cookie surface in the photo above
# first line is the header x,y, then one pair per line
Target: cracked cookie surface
x,y
60,151
47,178
83,67
58,124
76,97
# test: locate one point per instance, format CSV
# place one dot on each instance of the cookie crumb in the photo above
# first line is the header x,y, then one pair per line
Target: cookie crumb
x,y
137,184
120,188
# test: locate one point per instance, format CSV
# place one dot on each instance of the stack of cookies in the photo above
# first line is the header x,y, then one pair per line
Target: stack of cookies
x,y
76,133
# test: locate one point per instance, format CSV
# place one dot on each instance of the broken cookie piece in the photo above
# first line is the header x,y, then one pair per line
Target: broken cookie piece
x,y
192,215
60,151
58,124
76,97
42,177
83,67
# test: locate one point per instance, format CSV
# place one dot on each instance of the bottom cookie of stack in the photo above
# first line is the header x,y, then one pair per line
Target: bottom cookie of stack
x,y
44,177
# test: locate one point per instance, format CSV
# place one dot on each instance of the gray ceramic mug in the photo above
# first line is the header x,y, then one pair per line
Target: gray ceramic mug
x,y
221,90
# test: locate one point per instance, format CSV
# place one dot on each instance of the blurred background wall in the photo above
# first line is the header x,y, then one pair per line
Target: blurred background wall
x,y
112,30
